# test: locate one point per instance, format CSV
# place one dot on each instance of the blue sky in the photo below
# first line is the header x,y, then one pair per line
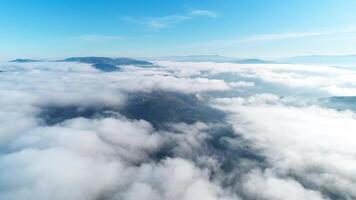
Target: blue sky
x,y
258,28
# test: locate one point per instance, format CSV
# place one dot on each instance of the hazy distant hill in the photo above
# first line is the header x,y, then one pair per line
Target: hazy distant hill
x,y
251,61
322,59
196,58
107,60
101,63
213,58
107,64
24,60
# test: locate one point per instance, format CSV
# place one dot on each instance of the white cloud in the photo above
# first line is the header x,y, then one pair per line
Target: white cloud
x,y
307,151
294,35
265,185
100,38
323,80
207,13
268,37
242,84
155,23
104,157
340,91
312,143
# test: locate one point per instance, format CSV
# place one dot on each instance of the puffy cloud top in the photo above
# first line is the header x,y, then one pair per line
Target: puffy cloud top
x,y
177,131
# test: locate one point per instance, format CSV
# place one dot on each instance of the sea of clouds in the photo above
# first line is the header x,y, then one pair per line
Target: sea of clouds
x,y
281,136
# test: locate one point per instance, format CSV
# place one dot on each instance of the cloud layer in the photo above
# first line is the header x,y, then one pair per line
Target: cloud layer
x,y
177,130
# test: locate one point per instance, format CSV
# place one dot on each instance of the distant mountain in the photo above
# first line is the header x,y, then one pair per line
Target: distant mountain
x,y
213,58
349,60
24,60
107,64
107,60
196,58
105,67
252,61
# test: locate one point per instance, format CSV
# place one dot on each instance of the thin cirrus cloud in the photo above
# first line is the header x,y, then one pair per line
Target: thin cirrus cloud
x,y
100,38
269,37
155,23
294,35
206,13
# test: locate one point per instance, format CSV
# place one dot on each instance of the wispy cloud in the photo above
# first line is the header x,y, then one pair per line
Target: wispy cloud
x,y
158,22
293,35
206,13
100,38
271,37
154,23
278,36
